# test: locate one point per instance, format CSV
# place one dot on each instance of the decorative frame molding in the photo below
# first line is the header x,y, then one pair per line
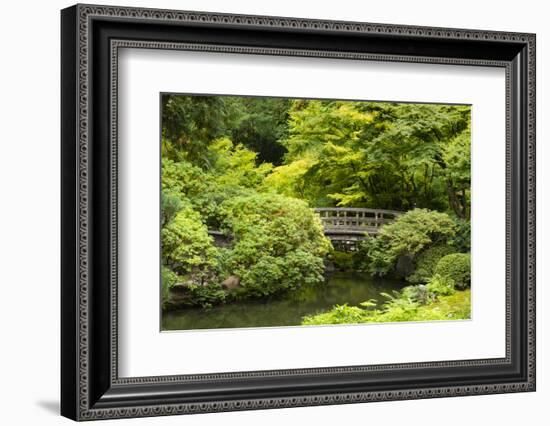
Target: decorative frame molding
x,y
91,37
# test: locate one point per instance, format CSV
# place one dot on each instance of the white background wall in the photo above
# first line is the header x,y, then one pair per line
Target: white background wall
x,y
29,213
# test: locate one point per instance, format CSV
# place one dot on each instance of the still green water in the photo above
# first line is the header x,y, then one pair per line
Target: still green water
x,y
341,287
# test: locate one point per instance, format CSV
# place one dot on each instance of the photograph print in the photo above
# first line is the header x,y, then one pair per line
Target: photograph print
x,y
281,212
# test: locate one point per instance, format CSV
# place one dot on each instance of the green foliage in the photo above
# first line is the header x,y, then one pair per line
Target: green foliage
x,y
426,261
253,168
262,124
168,279
398,308
457,268
204,296
343,261
408,235
385,155
235,166
340,314
289,179
189,293
187,248
183,179
170,205
441,285
456,157
190,123
233,172
418,293
278,243
461,240
451,307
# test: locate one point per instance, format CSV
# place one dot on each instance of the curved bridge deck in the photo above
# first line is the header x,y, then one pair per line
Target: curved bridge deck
x,y
347,226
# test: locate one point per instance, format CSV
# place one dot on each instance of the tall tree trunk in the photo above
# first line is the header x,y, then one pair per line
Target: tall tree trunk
x,y
454,201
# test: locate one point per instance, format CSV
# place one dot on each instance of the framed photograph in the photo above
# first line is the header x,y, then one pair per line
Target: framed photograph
x,y
263,212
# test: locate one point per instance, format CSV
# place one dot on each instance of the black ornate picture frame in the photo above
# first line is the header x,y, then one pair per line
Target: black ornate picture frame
x,y
91,387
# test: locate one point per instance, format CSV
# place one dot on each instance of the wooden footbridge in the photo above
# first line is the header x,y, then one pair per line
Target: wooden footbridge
x,y
347,226
344,226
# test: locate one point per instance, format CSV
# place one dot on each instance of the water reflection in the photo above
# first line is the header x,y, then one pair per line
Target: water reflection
x,y
341,287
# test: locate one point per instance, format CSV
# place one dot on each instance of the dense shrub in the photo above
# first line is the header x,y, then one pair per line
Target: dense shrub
x,y
426,261
170,204
457,268
187,249
461,240
191,185
232,172
204,295
278,243
183,178
412,232
178,291
235,166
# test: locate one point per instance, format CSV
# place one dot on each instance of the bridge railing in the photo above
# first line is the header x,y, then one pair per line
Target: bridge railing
x,y
345,226
353,220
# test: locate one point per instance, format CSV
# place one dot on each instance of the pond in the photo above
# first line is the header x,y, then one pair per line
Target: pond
x,y
341,287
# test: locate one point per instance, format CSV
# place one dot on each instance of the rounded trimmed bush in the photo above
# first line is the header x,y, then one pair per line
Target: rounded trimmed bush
x,y
426,262
456,267
412,232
